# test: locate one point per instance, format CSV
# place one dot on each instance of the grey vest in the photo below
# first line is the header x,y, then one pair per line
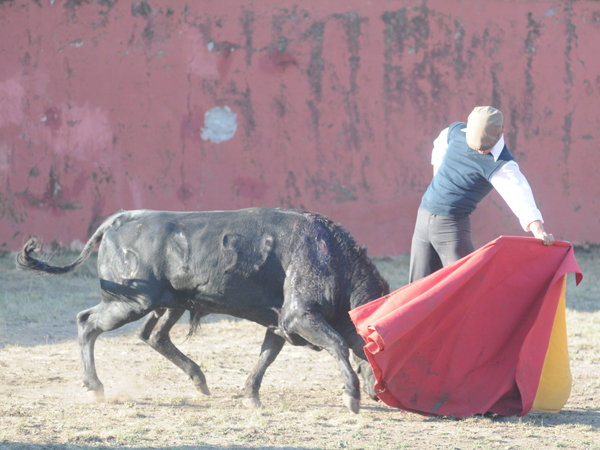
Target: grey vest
x,y
463,179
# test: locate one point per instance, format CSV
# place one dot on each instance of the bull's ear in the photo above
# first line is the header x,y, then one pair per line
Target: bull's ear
x,y
362,250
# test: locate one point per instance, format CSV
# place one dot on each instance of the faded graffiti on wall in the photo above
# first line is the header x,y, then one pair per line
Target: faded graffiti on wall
x,y
326,106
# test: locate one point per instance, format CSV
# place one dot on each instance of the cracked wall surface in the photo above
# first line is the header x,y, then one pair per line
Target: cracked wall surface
x,y
330,107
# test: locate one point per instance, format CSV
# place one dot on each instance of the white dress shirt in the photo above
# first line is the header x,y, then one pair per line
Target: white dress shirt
x,y
510,183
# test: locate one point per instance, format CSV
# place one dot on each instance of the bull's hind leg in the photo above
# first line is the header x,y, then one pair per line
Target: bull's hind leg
x,y
155,332
91,323
269,350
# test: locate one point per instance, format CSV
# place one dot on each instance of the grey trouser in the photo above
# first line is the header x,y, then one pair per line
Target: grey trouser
x,y
437,242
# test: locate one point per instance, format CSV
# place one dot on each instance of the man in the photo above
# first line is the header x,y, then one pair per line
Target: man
x,y
468,161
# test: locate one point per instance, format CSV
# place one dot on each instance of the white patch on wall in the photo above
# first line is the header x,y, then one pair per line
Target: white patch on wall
x,y
220,124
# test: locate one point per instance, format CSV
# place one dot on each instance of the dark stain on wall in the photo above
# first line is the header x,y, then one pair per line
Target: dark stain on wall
x,y
399,32
97,214
243,101
415,72
394,79
102,176
418,96
72,4
352,133
342,193
279,104
365,163
280,42
533,33
512,130
332,188
571,40
491,43
316,65
210,88
141,9
315,116
352,26
156,31
54,199
398,29
566,139
496,89
8,209
458,62
108,4
292,192
316,184
248,28
278,22
277,59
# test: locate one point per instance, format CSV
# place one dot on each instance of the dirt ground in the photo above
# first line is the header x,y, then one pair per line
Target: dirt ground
x,y
151,403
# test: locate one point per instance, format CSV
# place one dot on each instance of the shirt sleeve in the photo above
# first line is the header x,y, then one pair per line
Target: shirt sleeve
x,y
440,145
513,187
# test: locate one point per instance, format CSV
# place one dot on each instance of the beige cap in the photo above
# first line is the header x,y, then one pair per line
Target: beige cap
x,y
484,128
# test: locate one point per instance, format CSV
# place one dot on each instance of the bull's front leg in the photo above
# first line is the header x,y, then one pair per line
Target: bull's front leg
x,y
315,329
270,348
356,344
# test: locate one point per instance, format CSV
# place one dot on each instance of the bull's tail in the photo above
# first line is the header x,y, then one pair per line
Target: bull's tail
x,y
25,261
195,320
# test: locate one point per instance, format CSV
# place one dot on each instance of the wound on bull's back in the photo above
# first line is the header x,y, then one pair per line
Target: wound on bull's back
x,y
321,253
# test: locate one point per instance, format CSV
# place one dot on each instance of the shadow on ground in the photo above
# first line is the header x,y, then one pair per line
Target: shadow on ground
x,y
27,446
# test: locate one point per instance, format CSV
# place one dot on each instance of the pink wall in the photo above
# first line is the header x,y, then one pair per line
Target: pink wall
x,y
102,104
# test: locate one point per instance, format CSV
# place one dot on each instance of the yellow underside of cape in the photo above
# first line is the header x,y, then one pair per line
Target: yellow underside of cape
x,y
556,380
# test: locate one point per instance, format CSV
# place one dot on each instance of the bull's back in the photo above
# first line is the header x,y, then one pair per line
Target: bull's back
x,y
224,259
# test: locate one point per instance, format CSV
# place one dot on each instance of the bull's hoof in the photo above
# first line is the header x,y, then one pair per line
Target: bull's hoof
x,y
202,387
96,396
351,403
252,402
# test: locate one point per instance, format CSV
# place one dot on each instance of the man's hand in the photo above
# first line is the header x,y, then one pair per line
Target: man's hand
x,y
538,231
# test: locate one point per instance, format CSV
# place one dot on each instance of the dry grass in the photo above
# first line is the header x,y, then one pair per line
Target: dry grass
x,y
152,404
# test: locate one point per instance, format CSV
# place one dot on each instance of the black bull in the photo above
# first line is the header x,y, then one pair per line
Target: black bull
x,y
296,273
